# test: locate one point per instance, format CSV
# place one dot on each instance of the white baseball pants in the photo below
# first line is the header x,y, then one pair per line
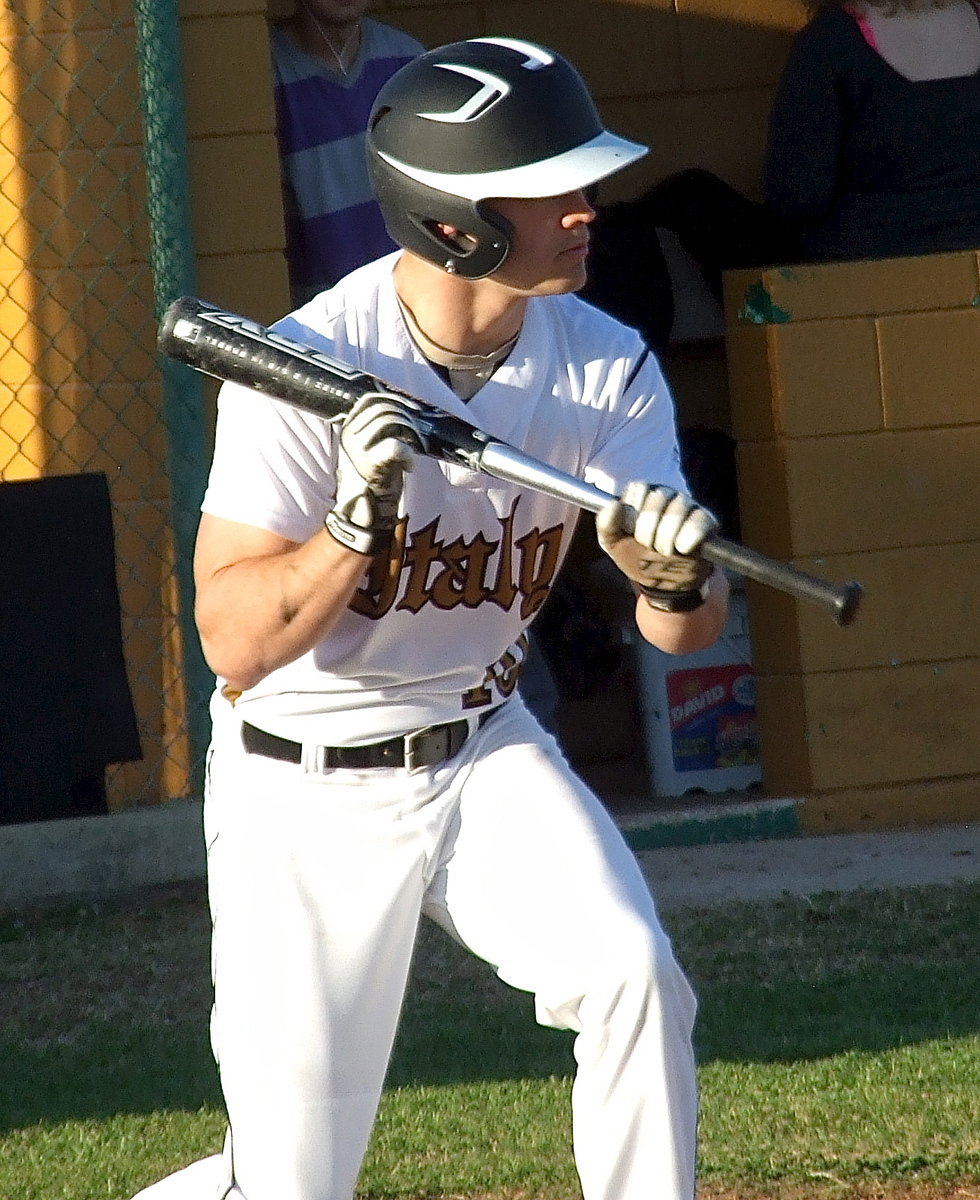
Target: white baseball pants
x,y
317,883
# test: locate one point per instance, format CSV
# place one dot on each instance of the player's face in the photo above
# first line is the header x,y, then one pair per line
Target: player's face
x,y
549,245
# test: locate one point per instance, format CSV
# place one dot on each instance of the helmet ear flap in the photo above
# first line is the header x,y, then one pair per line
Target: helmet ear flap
x,y
463,253
483,240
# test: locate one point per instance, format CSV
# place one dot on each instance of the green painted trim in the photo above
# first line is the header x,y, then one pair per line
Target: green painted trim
x,y
759,308
719,823
173,263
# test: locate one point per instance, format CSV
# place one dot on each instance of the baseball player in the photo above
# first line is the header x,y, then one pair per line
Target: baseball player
x,y
365,609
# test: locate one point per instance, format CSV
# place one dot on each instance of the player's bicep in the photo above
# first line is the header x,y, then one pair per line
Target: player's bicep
x,y
222,543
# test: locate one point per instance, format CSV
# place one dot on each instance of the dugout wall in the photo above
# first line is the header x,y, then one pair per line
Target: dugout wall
x,y
856,403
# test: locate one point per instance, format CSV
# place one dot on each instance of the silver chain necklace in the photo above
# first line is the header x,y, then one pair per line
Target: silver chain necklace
x,y
345,48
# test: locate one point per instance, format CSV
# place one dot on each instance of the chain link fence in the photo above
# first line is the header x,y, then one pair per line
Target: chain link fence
x,y
92,203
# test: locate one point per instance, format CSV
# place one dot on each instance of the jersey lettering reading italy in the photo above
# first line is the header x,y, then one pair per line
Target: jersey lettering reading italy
x,y
465,570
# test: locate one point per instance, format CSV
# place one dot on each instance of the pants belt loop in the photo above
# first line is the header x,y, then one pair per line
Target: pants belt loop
x,y
314,760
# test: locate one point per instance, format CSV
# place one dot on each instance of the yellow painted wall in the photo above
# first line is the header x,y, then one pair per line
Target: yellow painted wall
x,y
856,404
235,199
80,388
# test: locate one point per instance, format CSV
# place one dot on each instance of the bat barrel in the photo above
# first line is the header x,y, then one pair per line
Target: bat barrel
x,y
233,348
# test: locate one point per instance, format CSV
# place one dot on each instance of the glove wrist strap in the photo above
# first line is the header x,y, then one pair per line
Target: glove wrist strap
x,y
675,602
348,534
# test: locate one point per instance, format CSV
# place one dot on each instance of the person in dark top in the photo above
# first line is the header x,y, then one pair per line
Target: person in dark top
x,y
874,139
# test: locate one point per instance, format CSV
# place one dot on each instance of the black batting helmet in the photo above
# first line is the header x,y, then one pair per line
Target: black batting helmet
x,y
474,120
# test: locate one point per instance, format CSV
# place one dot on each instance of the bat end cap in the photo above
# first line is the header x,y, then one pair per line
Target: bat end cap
x,y
849,602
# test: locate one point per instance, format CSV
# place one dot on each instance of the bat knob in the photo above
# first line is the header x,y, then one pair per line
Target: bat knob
x,y
848,602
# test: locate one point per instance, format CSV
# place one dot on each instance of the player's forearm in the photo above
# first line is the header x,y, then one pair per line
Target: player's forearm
x,y
684,633
259,614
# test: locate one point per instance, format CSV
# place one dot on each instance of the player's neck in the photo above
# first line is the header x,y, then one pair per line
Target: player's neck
x,y
333,42
462,315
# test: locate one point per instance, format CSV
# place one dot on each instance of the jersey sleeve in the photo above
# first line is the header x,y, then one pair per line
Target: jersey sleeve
x,y
273,466
642,443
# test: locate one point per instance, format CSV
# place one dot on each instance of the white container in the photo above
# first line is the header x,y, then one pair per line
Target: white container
x,y
699,712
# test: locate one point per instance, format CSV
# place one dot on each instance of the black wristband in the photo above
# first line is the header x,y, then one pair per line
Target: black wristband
x,y
675,602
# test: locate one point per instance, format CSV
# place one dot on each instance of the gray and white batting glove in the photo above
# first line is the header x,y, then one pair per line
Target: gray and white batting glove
x,y
378,442
653,534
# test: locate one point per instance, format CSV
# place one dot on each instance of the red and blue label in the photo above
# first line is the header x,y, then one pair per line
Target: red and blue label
x,y
712,717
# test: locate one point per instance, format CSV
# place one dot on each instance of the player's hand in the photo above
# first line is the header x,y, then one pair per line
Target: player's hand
x,y
653,534
378,443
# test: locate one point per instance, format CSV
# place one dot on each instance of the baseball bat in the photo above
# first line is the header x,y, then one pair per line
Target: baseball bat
x,y
232,347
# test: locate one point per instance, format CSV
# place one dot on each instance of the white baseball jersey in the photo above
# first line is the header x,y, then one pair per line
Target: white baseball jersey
x,y
437,631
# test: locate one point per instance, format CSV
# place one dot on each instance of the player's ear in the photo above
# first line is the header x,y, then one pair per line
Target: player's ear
x,y
463,243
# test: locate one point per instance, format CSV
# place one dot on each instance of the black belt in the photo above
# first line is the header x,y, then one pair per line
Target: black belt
x,y
425,748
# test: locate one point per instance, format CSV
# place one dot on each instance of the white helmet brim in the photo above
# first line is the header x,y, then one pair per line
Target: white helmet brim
x,y
580,167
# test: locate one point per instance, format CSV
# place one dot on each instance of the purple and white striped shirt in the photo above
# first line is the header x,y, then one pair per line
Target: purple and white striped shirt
x,y
333,223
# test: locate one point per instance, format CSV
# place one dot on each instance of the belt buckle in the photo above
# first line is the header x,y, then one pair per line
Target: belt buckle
x,y
413,747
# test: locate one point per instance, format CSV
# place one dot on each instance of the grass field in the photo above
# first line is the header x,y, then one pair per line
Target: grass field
x,y
838,1044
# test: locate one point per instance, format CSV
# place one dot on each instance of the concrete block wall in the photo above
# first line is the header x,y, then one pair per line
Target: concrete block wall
x,y
77,355
855,393
236,203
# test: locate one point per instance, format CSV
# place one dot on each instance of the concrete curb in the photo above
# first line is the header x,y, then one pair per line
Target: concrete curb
x,y
813,865
709,824
141,847
162,844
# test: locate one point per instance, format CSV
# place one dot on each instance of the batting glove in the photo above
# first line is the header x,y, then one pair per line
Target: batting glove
x,y
378,442
653,534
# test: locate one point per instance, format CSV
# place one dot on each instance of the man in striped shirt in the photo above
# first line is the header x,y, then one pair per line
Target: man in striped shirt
x,y
329,62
